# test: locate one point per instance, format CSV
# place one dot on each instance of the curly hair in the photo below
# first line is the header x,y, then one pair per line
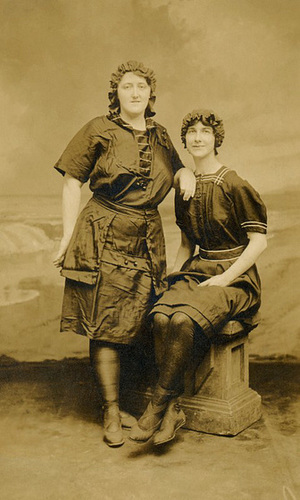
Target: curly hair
x,y
138,69
208,118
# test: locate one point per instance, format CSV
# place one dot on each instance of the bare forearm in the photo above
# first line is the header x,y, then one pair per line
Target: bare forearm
x,y
257,244
70,204
255,247
70,207
185,251
182,256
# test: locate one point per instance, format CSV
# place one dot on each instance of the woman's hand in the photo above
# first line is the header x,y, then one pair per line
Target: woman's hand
x,y
218,280
60,256
186,180
257,244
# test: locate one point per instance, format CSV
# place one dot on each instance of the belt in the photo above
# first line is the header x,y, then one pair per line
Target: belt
x,y
226,254
124,209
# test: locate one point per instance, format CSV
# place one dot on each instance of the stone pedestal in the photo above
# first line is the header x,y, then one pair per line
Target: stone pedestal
x,y
217,398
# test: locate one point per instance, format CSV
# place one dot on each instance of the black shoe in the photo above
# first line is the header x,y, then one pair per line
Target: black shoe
x,y
174,419
113,435
148,423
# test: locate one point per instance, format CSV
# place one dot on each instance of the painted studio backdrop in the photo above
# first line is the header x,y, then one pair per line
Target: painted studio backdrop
x,y
237,57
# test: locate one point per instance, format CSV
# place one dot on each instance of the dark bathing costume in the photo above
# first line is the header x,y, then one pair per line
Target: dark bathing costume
x,y
115,264
224,208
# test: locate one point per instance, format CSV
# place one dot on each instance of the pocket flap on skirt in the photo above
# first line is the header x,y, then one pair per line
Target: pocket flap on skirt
x,y
87,277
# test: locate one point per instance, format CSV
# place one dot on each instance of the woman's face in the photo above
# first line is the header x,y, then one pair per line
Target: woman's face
x,y
200,140
133,94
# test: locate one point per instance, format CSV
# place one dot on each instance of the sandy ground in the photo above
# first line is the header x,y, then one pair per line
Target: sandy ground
x,y
51,444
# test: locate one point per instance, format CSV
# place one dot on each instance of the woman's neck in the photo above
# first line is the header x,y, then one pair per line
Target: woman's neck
x,y
208,165
137,122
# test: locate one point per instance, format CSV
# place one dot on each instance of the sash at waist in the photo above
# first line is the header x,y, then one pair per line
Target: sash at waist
x,y
226,254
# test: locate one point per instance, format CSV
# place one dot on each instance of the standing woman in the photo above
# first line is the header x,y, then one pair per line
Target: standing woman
x,y
113,255
227,221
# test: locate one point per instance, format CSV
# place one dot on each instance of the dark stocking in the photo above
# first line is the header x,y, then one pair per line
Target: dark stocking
x,y
182,342
160,333
178,353
105,361
178,337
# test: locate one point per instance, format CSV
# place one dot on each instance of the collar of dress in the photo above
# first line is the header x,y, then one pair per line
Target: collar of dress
x,y
116,118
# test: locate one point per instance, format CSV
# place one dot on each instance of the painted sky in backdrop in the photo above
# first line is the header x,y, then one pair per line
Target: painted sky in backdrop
x,y
238,57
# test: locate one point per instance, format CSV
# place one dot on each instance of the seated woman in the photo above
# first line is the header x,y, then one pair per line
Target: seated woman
x,y
227,221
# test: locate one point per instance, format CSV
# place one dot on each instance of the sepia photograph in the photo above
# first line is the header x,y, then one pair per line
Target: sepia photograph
x,y
149,250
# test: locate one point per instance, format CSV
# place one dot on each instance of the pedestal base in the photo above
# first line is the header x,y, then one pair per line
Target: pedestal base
x,y
216,416
210,415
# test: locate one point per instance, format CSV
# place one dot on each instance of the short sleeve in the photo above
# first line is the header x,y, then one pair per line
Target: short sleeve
x,y
249,207
175,160
180,213
80,155
174,156
179,210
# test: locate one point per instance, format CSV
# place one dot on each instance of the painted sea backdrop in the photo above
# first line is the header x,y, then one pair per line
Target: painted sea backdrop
x,y
31,288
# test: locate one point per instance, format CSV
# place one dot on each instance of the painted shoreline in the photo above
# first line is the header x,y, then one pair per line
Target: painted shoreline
x,y
30,328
